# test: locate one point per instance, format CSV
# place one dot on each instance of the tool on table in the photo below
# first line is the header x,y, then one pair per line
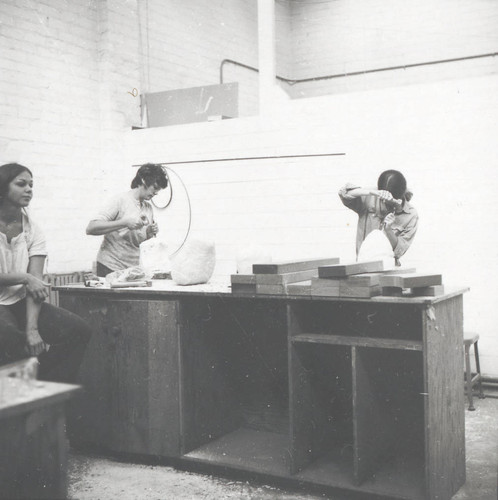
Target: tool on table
x,y
127,284
94,282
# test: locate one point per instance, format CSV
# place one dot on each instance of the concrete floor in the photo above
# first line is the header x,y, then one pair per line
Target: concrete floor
x,y
103,478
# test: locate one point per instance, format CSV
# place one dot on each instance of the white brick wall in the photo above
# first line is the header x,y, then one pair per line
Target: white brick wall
x,y
345,36
442,136
187,41
49,96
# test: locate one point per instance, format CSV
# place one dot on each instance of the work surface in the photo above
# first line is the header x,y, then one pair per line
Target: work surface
x,y
221,287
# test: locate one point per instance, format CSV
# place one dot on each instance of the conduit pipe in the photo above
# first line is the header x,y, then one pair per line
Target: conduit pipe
x,y
355,73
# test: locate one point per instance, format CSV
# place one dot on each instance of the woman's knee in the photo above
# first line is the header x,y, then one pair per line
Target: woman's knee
x,y
63,325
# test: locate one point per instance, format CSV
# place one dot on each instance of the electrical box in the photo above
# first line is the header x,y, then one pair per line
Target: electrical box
x,y
190,105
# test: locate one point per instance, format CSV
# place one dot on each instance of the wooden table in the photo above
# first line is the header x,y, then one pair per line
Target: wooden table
x,y
359,394
33,447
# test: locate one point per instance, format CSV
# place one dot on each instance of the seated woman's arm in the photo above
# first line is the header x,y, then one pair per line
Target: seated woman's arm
x,y
37,292
34,284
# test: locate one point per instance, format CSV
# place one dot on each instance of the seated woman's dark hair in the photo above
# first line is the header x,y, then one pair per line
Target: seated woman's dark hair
x,y
149,174
8,173
394,182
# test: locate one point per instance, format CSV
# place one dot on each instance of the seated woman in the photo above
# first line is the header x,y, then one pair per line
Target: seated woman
x,y
28,325
386,207
127,221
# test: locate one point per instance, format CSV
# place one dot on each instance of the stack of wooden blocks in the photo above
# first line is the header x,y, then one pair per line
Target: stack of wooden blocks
x,y
283,278
426,285
359,279
329,278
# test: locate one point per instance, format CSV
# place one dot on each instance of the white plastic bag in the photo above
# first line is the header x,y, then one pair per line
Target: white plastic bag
x,y
249,255
376,246
130,274
194,263
154,256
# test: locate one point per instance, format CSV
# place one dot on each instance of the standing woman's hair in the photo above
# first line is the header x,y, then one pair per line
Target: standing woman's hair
x,y
149,174
8,173
394,182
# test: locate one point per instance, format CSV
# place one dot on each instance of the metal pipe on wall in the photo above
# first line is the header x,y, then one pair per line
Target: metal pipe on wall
x,y
355,73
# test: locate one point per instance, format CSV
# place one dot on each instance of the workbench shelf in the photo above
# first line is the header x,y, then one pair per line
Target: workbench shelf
x,y
234,383
357,418
363,395
358,396
316,338
357,320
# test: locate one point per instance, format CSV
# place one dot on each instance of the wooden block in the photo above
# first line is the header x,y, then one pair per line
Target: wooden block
x,y
300,288
291,267
283,279
347,290
428,291
399,270
411,280
243,279
325,292
325,287
271,289
326,282
366,279
242,288
341,270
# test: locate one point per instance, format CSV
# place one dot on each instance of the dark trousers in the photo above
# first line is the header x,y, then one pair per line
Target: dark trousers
x,y
103,271
65,332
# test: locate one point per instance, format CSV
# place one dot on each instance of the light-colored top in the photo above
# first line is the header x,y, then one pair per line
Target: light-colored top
x,y
121,249
370,217
14,256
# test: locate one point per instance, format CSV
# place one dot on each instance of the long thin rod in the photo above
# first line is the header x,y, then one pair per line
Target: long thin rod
x,y
247,158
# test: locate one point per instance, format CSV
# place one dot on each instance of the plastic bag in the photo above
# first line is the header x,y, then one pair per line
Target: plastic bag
x,y
249,255
194,263
135,273
376,246
154,256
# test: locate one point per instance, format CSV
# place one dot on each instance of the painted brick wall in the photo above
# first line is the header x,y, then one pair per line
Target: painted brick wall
x,y
49,91
315,39
186,42
346,36
67,77
441,135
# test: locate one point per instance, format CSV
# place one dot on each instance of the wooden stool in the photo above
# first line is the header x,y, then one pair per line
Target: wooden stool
x,y
472,379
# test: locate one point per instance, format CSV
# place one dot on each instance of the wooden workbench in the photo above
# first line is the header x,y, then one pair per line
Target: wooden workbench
x,y
359,394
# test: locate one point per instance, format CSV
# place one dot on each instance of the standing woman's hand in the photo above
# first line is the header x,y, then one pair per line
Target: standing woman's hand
x,y
152,230
134,222
384,195
34,343
388,220
37,288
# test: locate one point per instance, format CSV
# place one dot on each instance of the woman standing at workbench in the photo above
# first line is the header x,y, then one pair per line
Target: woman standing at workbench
x,y
28,325
127,221
386,207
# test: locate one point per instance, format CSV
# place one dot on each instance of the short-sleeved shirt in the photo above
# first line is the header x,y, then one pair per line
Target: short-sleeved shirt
x,y
121,248
370,217
15,255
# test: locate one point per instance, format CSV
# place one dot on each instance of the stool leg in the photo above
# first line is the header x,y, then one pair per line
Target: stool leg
x,y
478,370
468,379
